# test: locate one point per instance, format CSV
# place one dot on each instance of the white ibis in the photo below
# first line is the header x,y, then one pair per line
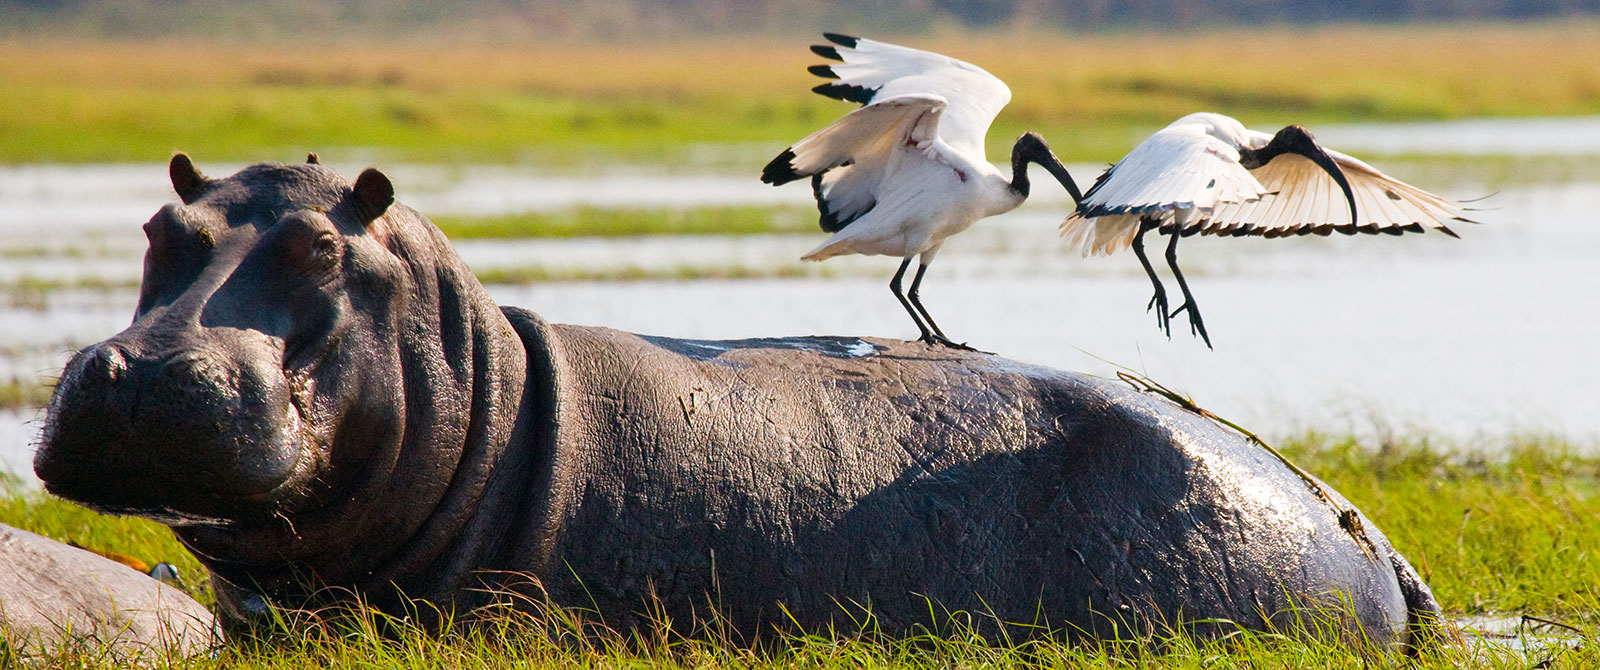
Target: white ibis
x,y
907,170
1207,174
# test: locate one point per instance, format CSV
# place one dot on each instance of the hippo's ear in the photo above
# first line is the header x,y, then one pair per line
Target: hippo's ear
x,y
186,180
312,158
373,195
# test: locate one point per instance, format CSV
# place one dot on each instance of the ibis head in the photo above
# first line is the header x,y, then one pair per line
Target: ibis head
x,y
1298,140
1031,148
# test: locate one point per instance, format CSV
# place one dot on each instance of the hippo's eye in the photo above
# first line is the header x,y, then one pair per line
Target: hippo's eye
x,y
324,247
307,244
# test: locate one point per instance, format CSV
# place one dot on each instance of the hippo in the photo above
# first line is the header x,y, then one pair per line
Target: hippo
x,y
324,404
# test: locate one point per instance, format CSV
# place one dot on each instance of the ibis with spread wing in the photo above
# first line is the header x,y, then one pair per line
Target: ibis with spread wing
x,y
907,170
1207,174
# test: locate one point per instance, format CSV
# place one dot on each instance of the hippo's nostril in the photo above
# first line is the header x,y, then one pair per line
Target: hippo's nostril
x,y
108,364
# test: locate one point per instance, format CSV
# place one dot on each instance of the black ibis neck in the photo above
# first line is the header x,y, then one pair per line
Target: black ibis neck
x,y
1298,140
1290,140
1019,170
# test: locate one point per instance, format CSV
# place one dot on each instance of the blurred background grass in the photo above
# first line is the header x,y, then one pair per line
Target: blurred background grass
x,y
728,101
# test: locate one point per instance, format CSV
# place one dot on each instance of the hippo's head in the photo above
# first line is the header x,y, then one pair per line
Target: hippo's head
x,y
267,327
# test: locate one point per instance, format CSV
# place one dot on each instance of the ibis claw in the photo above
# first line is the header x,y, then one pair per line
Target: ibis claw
x,y
1158,303
1197,325
940,340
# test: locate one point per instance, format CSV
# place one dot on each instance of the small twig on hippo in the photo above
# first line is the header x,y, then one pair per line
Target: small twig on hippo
x,y
1349,520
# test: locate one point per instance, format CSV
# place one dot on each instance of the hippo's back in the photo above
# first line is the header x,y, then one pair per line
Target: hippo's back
x,y
813,478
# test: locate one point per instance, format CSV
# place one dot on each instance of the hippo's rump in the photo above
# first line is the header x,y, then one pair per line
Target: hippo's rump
x,y
805,480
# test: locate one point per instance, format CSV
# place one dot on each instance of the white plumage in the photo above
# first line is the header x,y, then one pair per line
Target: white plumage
x,y
1207,174
907,170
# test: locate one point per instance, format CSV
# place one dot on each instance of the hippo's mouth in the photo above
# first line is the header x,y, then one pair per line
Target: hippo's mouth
x,y
189,499
294,440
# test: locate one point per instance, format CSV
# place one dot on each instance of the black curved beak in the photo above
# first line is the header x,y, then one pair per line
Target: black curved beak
x,y
1326,162
1031,147
1059,171
1298,140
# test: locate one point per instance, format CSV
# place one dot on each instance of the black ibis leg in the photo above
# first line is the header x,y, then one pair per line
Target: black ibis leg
x,y
894,286
1158,302
1197,326
937,336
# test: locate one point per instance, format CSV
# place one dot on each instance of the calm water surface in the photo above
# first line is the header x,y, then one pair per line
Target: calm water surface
x,y
1472,339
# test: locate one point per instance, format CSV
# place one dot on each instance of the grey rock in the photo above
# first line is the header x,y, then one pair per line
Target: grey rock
x,y
55,597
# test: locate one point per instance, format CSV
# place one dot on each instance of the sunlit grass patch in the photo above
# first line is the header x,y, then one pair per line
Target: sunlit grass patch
x,y
540,274
1509,526
23,393
593,221
32,292
561,637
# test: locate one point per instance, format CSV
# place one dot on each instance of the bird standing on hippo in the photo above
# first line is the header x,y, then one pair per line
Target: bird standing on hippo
x,y
323,403
907,170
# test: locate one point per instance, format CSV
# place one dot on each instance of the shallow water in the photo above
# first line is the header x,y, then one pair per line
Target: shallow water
x,y
1470,338
1516,632
1574,136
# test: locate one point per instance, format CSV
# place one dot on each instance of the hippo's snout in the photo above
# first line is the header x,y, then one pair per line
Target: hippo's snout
x,y
203,431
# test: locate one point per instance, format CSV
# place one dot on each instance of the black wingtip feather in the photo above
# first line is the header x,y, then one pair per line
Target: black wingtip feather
x,y
781,170
829,220
842,40
826,51
824,71
848,92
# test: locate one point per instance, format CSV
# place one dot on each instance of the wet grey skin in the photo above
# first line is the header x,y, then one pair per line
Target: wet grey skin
x,y
321,400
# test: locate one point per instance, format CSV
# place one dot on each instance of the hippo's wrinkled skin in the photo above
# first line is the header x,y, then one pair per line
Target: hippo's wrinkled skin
x,y
316,391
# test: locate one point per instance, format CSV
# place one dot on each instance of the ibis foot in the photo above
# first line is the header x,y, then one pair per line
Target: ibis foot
x,y
940,340
1197,325
1158,304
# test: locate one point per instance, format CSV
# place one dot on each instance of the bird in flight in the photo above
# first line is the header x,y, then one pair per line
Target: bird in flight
x,y
1207,174
906,170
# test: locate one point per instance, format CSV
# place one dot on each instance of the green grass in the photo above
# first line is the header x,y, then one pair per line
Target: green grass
x,y
29,292
23,394
1518,531
1510,527
592,221
567,640
736,102
626,273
